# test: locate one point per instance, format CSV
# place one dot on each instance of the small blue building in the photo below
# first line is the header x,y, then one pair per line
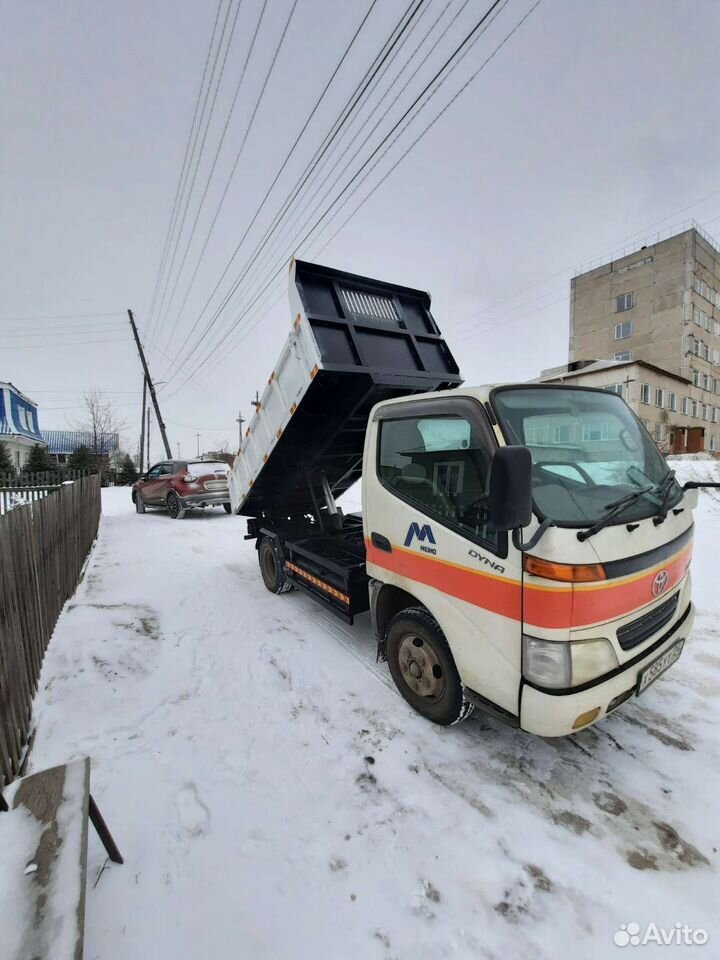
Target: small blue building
x,y
63,443
19,429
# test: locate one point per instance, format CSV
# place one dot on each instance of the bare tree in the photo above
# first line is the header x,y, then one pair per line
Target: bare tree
x,y
99,420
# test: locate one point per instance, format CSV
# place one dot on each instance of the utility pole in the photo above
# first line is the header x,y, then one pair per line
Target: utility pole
x,y
143,361
256,402
148,437
142,428
240,421
198,443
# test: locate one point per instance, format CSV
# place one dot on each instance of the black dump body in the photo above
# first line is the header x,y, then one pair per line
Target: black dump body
x,y
377,341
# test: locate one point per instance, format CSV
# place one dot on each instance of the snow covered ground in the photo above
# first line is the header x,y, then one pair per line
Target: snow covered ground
x,y
274,797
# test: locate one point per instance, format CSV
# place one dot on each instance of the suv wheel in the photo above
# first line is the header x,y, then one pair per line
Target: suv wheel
x,y
139,502
423,668
175,507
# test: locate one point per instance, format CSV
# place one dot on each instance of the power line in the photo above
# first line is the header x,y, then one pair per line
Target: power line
x,y
215,159
62,343
351,145
280,170
237,157
188,194
359,91
60,316
467,40
173,212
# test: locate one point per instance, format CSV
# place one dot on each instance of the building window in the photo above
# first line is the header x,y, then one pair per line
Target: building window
x,y
623,355
623,302
659,432
623,330
706,381
713,443
561,434
704,411
715,415
708,324
672,402
706,352
659,397
595,431
698,316
614,388
685,406
695,374
644,393
694,409
696,346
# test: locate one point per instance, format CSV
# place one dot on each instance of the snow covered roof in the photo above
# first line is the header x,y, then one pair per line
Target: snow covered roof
x,y
18,414
68,441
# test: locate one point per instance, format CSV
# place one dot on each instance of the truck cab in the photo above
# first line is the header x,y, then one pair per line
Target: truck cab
x,y
528,552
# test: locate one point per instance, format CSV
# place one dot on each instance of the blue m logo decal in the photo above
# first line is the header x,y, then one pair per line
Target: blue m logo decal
x,y
422,533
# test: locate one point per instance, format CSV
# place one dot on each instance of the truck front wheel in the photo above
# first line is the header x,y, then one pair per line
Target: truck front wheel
x,y
271,567
423,668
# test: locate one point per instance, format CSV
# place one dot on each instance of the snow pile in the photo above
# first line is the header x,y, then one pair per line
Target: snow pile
x,y
274,797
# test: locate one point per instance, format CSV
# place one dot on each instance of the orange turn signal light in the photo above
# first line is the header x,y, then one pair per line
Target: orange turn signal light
x,y
567,572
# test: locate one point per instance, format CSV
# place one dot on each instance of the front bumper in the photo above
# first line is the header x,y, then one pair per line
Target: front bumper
x,y
552,713
214,499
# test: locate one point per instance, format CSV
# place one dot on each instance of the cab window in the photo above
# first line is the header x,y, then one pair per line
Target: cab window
x,y
155,471
442,465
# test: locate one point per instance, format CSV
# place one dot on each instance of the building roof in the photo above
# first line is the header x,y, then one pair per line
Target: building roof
x,y
18,414
68,441
596,366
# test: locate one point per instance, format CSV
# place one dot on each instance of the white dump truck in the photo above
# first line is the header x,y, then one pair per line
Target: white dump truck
x,y
523,548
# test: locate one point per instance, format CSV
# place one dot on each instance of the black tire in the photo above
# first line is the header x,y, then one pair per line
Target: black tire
x,y
423,668
139,502
227,508
271,567
174,506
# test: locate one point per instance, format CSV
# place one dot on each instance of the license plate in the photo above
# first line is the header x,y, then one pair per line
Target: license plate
x,y
659,666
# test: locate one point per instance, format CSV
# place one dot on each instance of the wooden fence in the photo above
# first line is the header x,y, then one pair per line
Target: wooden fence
x,y
43,547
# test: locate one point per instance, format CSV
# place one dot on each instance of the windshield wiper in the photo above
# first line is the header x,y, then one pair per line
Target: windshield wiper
x,y
660,491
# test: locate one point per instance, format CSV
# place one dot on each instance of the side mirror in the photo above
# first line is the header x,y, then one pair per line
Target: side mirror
x,y
510,497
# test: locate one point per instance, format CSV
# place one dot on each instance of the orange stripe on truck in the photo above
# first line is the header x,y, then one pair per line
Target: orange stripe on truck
x,y
563,606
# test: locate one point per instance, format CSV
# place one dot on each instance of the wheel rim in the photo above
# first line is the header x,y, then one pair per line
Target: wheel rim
x,y
420,667
173,506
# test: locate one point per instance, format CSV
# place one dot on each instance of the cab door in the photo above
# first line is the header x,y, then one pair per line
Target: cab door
x,y
428,531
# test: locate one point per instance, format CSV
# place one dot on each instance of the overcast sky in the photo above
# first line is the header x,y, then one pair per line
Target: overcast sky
x,y
594,126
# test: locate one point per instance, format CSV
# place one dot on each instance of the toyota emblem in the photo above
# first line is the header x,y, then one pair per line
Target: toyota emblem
x,y
659,584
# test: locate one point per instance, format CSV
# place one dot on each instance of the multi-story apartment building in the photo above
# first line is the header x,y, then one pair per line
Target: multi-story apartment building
x,y
659,304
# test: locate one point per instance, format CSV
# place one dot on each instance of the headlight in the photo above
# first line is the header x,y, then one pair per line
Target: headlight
x,y
557,664
590,659
546,662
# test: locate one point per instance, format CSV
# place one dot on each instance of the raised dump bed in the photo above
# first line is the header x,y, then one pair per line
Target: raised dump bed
x,y
354,342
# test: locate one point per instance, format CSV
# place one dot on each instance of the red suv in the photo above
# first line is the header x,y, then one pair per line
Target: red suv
x,y
179,485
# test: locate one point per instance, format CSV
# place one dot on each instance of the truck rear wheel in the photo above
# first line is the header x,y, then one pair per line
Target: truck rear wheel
x,y
271,567
423,668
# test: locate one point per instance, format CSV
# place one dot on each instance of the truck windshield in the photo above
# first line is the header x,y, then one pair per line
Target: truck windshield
x,y
589,452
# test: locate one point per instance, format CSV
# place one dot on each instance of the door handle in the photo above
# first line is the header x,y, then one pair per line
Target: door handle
x,y
381,542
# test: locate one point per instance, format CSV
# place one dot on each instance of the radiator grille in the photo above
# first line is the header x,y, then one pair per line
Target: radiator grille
x,y
633,633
